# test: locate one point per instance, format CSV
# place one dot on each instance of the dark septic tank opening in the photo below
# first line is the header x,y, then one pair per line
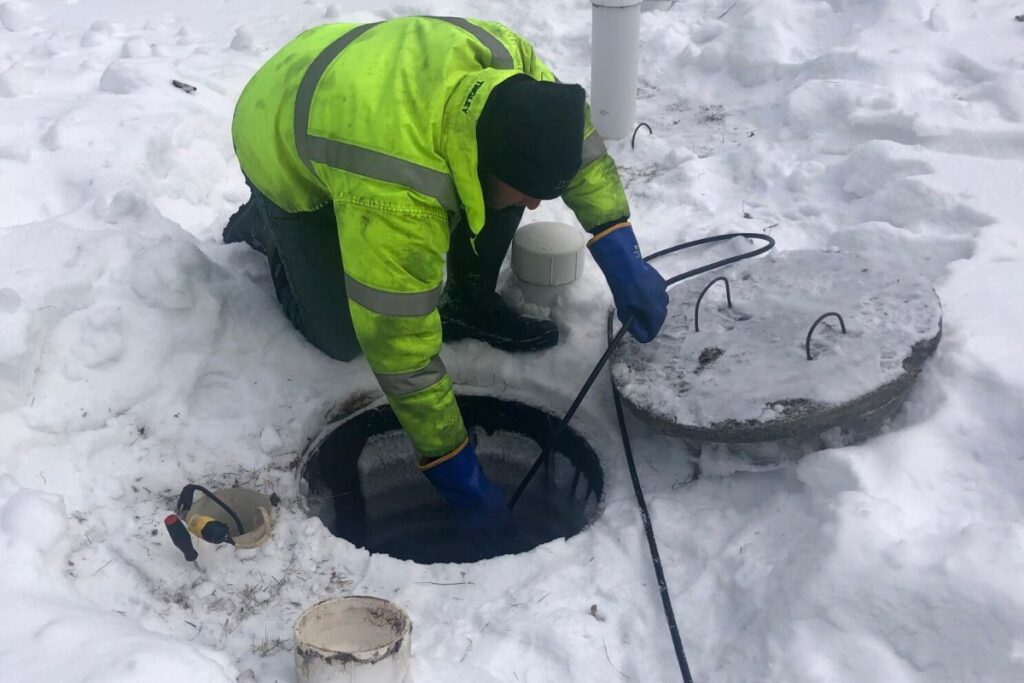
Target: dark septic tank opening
x,y
363,483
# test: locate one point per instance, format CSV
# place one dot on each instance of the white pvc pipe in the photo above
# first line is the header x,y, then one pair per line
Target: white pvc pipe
x,y
353,639
614,63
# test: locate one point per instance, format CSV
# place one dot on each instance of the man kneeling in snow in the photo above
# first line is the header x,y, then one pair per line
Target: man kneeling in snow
x,y
374,150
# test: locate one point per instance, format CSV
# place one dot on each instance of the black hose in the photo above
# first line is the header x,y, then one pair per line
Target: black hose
x,y
613,342
652,543
717,264
557,432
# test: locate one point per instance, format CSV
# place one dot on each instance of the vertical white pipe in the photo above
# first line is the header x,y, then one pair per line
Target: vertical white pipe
x,y
614,62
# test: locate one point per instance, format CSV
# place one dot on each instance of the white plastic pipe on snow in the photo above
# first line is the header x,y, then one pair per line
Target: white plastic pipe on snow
x,y
614,61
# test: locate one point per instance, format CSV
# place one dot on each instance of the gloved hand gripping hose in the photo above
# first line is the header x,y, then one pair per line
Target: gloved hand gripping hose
x,y
613,342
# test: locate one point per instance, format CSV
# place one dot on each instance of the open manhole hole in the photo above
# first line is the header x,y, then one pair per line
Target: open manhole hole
x,y
360,478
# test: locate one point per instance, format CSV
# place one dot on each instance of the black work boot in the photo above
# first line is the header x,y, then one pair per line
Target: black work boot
x,y
472,309
247,223
490,320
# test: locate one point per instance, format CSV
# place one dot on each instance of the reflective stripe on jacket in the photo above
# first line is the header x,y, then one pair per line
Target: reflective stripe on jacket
x,y
380,119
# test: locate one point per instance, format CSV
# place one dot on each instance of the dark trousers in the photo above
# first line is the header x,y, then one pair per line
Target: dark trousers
x,y
306,265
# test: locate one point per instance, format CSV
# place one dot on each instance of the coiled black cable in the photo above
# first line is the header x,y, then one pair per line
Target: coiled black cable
x,y
185,503
613,342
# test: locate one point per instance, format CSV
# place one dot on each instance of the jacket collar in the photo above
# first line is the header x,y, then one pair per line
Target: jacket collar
x,y
462,112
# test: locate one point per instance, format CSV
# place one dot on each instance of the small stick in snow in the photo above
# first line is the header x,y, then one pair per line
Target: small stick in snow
x,y
611,662
722,15
456,583
183,86
679,483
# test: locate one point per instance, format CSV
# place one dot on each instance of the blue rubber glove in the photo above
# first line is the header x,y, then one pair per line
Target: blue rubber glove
x,y
638,289
463,485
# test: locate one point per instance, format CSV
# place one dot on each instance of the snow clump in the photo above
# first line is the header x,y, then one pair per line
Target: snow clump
x,y
13,17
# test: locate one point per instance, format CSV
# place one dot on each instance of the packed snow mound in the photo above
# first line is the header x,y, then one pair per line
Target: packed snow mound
x,y
14,16
50,633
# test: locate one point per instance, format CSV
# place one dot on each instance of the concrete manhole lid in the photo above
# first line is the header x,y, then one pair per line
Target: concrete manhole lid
x,y
744,376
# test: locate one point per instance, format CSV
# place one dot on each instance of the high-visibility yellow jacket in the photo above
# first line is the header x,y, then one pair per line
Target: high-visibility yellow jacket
x,y
380,119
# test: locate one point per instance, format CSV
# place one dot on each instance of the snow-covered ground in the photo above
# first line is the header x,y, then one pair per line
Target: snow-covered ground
x,y
138,353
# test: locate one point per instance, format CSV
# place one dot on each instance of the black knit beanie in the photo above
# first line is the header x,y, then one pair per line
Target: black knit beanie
x,y
530,135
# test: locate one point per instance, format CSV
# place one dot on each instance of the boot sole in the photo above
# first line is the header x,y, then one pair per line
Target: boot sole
x,y
453,331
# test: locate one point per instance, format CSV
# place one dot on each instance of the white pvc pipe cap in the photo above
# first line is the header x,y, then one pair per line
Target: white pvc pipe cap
x,y
548,253
546,258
